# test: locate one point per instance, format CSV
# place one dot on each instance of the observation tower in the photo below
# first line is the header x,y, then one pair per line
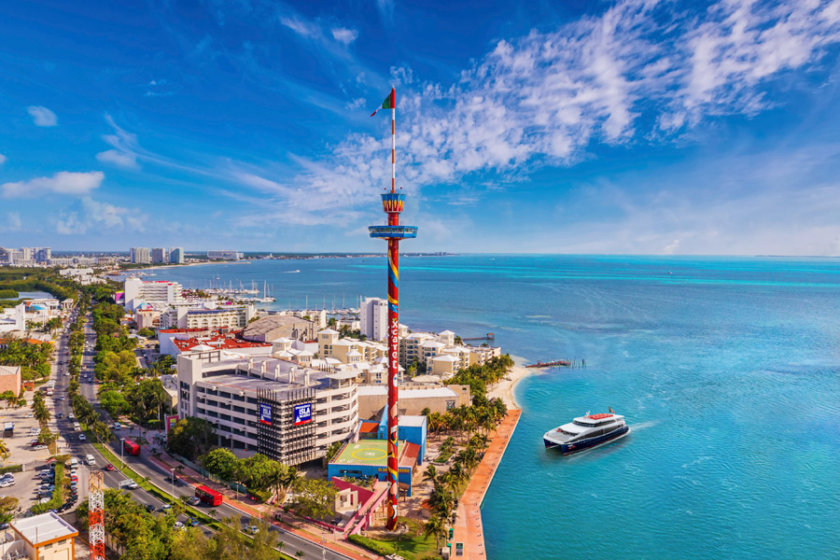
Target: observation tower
x,y
393,203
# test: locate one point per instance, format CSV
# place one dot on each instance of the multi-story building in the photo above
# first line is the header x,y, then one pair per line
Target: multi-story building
x,y
439,355
176,255
140,255
373,318
191,317
159,255
262,404
155,292
223,255
25,256
43,255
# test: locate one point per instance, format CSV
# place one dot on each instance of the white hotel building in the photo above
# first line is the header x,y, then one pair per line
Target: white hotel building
x,y
254,403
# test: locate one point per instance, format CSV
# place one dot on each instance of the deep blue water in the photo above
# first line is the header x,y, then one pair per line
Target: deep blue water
x,y
727,369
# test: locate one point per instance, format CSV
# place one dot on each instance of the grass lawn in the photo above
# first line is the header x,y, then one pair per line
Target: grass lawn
x,y
413,545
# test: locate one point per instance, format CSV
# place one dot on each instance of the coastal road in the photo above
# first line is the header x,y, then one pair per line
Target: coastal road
x,y
143,465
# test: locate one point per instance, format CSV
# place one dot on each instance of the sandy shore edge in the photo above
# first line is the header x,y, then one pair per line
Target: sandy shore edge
x,y
506,388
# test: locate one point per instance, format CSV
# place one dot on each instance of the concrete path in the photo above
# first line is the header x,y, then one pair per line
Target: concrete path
x,y
468,538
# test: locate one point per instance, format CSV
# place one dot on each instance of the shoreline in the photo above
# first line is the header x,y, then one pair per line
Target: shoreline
x,y
506,388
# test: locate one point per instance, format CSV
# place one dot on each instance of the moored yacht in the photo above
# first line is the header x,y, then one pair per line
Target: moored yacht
x,y
586,432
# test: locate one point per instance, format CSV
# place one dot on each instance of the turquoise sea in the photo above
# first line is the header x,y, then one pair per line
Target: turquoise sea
x,y
727,369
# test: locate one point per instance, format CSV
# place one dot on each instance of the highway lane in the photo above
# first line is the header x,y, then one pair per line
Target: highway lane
x,y
292,543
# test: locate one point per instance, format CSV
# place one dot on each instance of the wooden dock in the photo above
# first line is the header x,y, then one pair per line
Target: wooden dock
x,y
468,537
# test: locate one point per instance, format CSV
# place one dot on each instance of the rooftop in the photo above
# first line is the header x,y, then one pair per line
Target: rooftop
x,y
381,390
366,452
43,528
216,341
268,324
9,370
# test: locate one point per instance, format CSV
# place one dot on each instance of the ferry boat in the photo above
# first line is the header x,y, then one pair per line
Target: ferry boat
x,y
586,432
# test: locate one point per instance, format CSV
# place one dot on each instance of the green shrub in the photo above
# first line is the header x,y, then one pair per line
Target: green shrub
x,y
11,468
58,493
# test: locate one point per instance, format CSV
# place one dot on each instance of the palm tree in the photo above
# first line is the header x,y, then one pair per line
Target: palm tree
x,y
435,527
4,450
430,474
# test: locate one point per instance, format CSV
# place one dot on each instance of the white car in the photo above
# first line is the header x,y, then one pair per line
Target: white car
x,y
82,437
128,483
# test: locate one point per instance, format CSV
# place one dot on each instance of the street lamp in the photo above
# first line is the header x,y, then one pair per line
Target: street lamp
x,y
172,483
122,449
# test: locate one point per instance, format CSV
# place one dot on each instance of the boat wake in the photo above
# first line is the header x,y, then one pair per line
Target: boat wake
x,y
645,425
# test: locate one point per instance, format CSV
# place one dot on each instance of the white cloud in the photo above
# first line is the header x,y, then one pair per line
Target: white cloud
x,y
125,147
300,26
119,158
545,98
344,35
90,214
63,182
42,116
2,159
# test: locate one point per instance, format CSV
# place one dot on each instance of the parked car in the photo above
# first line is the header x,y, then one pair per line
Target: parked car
x,y
150,507
82,437
179,525
192,522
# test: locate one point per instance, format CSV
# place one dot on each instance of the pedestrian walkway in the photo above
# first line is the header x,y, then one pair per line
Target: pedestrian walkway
x,y
468,537
194,478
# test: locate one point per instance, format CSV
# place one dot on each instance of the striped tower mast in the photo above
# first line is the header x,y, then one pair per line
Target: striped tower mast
x,y
96,517
393,203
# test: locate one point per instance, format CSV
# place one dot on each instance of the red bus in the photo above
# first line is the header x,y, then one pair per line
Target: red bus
x,y
130,447
208,496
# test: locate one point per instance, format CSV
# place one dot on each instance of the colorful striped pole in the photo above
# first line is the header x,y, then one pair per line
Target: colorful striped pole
x,y
393,203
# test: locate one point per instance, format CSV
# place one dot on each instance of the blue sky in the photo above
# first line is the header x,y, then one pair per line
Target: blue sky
x,y
582,127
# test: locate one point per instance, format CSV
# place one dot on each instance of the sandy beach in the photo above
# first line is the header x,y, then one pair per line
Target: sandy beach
x,y
505,389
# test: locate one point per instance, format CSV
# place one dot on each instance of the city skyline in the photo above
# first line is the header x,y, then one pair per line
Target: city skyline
x,y
645,128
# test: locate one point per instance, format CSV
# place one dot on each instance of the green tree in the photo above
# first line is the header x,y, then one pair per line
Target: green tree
x,y
314,497
147,400
8,505
115,403
10,398
191,437
220,462
101,431
435,527
4,450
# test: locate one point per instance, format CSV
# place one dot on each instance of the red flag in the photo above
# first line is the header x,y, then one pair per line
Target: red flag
x,y
389,103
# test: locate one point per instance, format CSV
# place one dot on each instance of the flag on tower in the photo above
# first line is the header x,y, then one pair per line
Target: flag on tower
x,y
389,103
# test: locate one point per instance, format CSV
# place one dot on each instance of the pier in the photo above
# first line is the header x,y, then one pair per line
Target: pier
x,y
468,536
559,363
490,337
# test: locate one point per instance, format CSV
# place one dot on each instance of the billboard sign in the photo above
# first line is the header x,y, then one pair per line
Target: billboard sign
x,y
303,414
170,421
265,414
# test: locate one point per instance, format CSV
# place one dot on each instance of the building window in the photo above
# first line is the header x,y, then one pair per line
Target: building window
x,y
239,409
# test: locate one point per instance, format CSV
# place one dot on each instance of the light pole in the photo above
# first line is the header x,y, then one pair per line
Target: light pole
x,y
323,546
172,483
122,448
